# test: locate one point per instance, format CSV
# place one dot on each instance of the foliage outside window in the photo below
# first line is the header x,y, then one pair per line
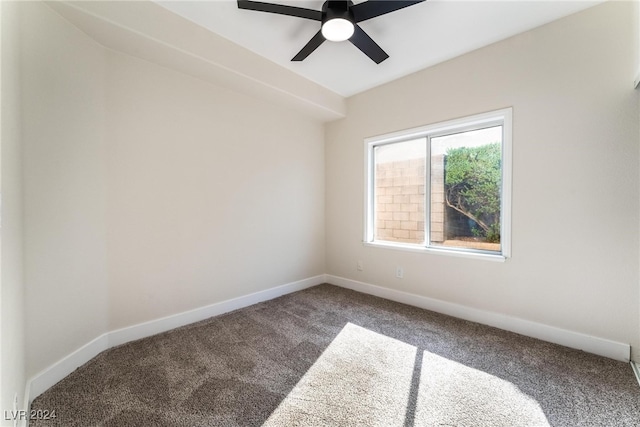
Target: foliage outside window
x,y
442,187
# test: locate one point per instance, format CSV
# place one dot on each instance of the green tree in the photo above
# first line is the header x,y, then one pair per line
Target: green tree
x,y
472,186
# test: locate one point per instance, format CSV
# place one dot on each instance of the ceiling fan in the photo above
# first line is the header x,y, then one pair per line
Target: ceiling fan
x,y
339,22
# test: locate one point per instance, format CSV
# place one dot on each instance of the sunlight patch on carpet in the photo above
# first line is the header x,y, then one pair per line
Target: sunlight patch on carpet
x,y
452,394
365,378
362,378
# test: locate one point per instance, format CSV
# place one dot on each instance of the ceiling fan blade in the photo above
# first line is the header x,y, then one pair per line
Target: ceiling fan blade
x,y
313,44
362,41
281,9
372,8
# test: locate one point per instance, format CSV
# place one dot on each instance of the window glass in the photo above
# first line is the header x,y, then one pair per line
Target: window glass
x,y
400,191
466,177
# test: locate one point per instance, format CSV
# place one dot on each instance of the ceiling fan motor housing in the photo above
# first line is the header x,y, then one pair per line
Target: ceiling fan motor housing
x,y
334,9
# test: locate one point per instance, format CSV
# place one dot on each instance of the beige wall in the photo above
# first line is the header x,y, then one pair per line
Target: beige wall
x,y
637,80
63,139
12,354
212,195
575,176
148,193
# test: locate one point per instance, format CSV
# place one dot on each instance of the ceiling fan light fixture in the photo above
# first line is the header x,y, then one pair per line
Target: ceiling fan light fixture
x,y
339,22
338,29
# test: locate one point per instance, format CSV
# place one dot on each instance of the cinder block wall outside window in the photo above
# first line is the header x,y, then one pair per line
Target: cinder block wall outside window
x,y
400,199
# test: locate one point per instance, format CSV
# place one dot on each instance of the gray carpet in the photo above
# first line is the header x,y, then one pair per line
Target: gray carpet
x,y
329,356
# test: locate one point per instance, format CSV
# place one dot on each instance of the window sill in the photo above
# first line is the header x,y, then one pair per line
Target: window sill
x,y
438,251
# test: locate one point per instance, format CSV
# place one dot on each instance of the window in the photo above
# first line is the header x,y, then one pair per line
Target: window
x,y
444,187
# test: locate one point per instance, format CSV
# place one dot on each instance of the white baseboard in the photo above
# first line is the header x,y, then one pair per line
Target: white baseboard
x,y
63,367
577,340
56,372
146,329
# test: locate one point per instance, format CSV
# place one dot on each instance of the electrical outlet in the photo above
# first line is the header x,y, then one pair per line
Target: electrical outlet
x,y
399,272
360,265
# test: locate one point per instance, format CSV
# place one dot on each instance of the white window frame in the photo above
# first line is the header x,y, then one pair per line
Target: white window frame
x,y
501,117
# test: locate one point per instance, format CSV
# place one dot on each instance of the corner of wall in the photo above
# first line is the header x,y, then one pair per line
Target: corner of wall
x,y
12,347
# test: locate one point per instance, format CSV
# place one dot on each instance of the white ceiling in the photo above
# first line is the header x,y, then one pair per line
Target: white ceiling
x,y
415,37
